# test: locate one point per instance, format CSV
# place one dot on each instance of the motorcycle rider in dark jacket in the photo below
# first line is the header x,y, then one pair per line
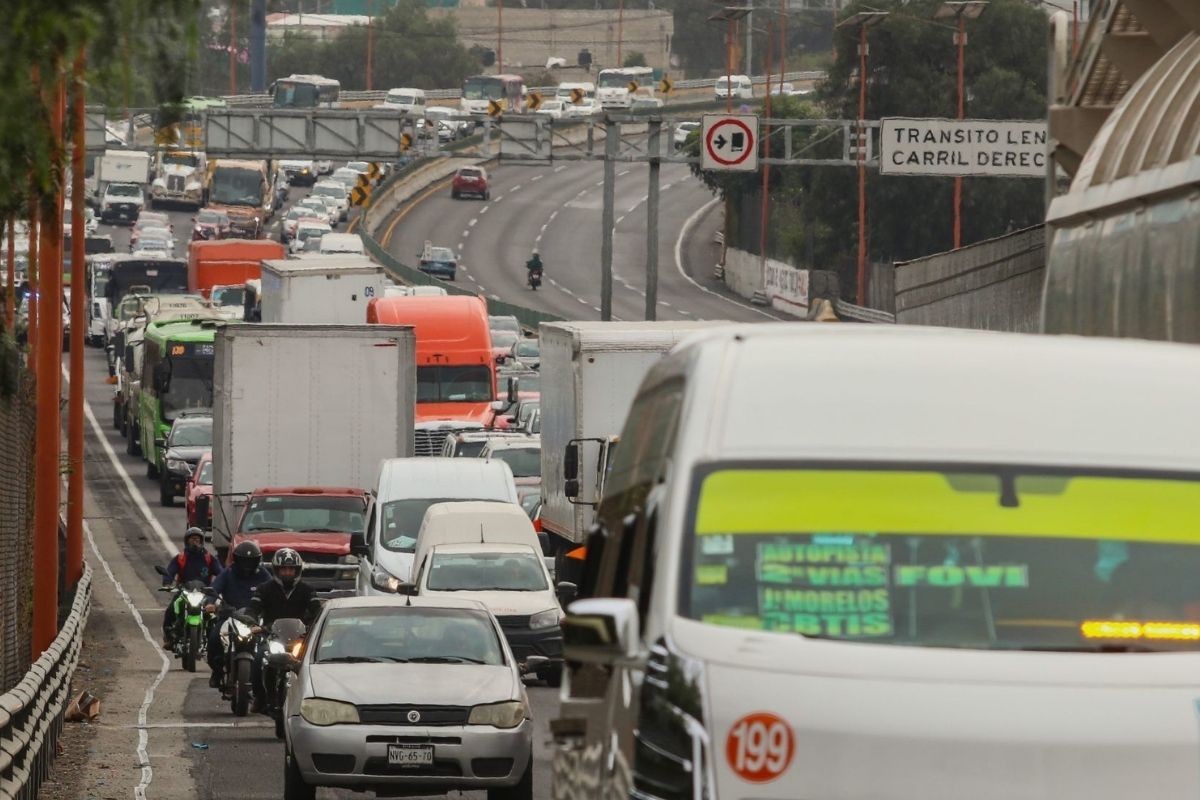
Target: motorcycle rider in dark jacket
x,y
194,563
285,597
235,586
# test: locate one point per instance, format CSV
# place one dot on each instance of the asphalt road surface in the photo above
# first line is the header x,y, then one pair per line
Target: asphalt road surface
x,y
244,762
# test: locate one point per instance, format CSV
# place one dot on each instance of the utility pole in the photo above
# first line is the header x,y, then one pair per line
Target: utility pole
x,y
370,46
765,210
652,219
612,135
74,565
961,11
258,46
49,417
31,274
620,30
232,50
499,37
10,296
750,39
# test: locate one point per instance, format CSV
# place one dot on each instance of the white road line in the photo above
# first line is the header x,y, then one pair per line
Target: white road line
x,y
143,756
497,198
665,186
553,214
471,224
516,188
559,169
536,178
544,226
622,174
461,245
599,183
664,303
596,309
466,233
483,210
620,219
186,725
553,282
582,192
496,297
169,546
482,288
679,258
580,299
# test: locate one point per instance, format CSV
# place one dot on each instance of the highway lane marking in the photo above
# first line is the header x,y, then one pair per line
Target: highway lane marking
x,y
559,169
580,299
620,219
599,183
466,233
497,198
596,309
471,224
622,174
536,178
187,725
516,188
666,186
679,258
664,303
554,283
143,756
483,210
413,203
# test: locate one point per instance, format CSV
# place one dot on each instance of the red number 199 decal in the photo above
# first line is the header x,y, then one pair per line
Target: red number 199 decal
x,y
760,747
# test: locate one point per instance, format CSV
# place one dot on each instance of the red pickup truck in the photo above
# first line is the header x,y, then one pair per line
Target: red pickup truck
x,y
315,521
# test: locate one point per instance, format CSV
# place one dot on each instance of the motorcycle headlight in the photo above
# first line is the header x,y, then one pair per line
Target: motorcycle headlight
x,y
318,711
275,647
194,598
385,581
545,619
499,715
242,630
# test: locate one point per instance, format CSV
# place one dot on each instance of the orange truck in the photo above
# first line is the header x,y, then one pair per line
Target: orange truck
x,y
456,374
228,262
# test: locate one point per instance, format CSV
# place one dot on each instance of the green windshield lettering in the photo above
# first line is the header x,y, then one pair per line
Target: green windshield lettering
x,y
982,577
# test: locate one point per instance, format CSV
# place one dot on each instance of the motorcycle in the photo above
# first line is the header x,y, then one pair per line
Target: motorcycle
x,y
239,635
280,650
535,279
191,620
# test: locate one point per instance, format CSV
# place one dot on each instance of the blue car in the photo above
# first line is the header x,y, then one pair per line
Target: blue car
x,y
439,262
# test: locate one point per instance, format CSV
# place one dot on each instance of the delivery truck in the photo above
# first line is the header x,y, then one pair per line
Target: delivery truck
x,y
590,372
228,262
316,289
308,406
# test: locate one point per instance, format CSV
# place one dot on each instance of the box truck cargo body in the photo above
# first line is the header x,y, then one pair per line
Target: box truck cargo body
x,y
317,289
307,405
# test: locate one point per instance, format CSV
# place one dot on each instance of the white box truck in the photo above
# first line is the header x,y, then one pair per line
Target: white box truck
x,y
307,406
590,372
320,289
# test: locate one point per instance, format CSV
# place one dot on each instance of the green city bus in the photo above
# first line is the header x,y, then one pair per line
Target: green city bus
x,y
177,377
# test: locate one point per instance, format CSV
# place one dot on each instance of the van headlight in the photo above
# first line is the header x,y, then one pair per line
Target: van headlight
x,y
545,619
385,581
499,715
318,711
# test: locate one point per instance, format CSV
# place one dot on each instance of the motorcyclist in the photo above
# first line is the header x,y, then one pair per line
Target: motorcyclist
x,y
194,563
284,597
235,586
534,264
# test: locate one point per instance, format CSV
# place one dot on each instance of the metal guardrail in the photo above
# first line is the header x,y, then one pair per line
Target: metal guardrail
x,y
255,100
31,715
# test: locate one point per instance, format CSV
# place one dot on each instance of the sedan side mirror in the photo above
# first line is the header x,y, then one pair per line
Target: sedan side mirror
x,y
601,630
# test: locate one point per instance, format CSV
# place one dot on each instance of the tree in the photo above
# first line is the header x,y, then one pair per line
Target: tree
x,y
635,59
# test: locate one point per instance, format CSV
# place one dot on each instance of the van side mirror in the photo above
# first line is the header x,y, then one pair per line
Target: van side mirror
x,y
601,630
571,462
571,489
358,544
512,390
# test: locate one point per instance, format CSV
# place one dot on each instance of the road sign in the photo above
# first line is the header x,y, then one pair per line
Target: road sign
x,y
576,96
962,147
359,196
494,108
364,182
730,142
633,86
405,141
533,101
373,171
665,85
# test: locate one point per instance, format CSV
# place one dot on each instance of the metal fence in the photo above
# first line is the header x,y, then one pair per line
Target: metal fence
x,y
31,713
17,423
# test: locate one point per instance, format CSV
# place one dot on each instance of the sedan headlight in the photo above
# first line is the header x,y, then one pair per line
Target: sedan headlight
x,y
385,581
499,715
178,465
317,711
545,619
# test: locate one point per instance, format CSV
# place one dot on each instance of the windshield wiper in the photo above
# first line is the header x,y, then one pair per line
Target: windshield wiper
x,y
446,660
362,660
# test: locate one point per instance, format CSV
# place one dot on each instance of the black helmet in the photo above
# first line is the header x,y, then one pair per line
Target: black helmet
x,y
188,534
247,558
287,557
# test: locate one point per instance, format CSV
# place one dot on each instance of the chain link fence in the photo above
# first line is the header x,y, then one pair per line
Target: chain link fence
x,y
17,421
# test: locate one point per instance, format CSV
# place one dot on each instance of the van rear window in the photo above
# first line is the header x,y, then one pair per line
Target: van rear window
x,y
986,558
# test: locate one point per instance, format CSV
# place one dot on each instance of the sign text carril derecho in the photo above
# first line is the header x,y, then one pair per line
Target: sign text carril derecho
x,y
967,147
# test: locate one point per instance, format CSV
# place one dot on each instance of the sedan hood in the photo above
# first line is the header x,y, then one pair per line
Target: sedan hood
x,y
191,454
418,684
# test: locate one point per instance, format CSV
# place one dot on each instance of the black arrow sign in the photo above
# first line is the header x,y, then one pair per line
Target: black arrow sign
x,y
719,142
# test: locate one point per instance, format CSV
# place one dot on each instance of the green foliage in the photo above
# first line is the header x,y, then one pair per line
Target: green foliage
x,y
409,49
635,59
913,73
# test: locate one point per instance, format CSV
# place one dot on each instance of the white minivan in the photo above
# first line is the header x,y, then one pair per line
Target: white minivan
x,y
968,570
739,86
406,488
410,101
490,552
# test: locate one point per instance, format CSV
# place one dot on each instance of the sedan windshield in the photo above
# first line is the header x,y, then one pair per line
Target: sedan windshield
x,y
525,462
486,572
399,634
205,478
505,339
124,190
987,558
305,513
212,218
330,190
192,433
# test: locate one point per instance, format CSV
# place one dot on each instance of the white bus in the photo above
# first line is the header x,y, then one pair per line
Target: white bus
x,y
613,85
479,90
305,91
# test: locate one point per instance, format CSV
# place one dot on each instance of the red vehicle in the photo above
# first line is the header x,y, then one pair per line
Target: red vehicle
x,y
315,522
197,494
470,181
228,262
210,224
456,373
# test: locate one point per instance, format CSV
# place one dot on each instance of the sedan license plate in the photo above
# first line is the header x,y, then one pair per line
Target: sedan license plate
x,y
410,754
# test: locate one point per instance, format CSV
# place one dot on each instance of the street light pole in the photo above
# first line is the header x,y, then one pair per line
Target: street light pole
x,y
961,10
232,47
370,46
620,30
499,37
74,563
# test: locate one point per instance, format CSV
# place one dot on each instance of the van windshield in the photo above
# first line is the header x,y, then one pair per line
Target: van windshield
x,y
981,558
401,520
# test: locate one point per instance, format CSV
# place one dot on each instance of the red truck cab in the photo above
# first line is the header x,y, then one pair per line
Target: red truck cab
x,y
317,522
456,372
228,262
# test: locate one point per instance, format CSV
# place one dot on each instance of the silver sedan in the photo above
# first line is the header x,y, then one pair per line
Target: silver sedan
x,y
412,696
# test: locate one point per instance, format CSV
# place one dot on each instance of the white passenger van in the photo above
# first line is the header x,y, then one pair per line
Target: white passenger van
x,y
969,569
406,488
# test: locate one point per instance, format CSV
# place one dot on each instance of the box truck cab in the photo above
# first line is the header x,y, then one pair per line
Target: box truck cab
x,y
456,375
931,588
406,488
228,262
